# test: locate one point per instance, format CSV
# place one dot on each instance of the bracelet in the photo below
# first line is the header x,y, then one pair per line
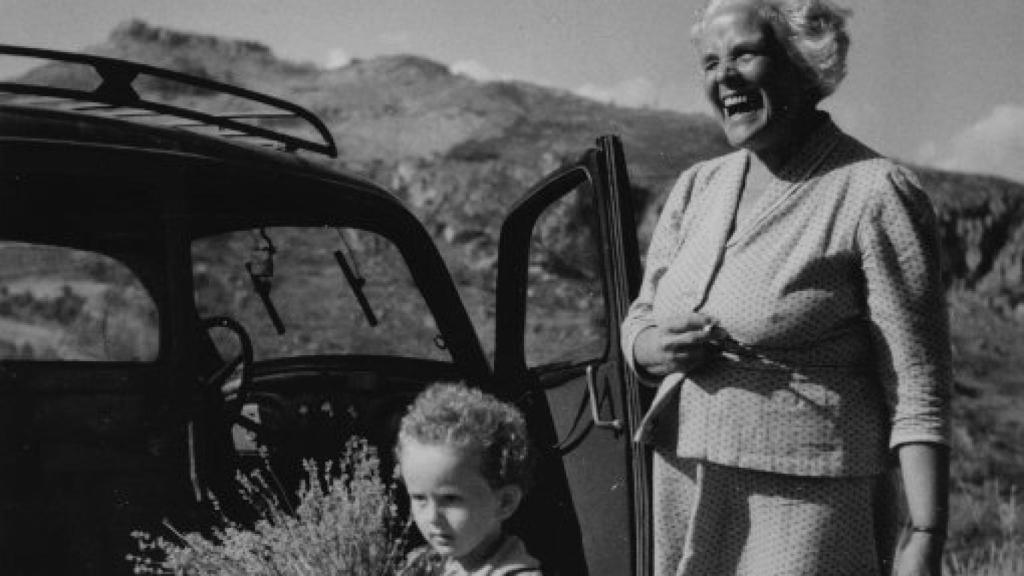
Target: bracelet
x,y
935,530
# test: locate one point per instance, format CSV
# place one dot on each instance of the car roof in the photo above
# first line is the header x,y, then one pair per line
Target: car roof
x,y
64,129
116,114
243,183
32,123
104,86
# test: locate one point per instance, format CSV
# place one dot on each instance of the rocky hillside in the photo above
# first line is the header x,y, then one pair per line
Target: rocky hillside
x,y
460,151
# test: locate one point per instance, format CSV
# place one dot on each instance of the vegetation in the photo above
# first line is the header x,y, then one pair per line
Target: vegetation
x,y
986,533
459,152
344,521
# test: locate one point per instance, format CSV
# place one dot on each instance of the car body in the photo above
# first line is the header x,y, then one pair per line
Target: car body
x,y
172,301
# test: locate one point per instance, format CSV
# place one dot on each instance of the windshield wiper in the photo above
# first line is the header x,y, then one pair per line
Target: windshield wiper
x,y
261,272
354,279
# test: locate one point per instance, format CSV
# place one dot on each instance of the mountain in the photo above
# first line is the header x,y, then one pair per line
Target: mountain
x,y
461,151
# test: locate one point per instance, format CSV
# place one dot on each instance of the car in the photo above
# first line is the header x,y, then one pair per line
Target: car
x,y
185,291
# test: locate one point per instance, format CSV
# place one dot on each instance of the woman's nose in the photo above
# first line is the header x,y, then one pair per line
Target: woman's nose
x,y
725,70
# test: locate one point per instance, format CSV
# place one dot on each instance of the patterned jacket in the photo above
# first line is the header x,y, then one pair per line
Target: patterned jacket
x,y
833,295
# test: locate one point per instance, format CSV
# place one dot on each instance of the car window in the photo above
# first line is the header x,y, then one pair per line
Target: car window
x,y
565,303
302,274
59,303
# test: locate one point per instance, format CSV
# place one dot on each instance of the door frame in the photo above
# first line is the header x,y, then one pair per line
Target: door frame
x,y
603,170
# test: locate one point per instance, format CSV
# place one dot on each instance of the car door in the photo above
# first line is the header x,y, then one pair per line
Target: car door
x,y
90,443
568,268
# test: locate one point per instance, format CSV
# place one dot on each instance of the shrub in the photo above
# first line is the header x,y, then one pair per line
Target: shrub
x,y
344,522
986,529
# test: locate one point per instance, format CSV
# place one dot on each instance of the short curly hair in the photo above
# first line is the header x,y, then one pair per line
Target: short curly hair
x,y
813,33
465,418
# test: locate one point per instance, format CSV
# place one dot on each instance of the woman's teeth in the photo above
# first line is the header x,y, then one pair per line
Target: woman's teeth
x,y
738,103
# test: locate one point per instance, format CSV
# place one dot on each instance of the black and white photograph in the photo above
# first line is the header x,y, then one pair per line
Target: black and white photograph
x,y
533,288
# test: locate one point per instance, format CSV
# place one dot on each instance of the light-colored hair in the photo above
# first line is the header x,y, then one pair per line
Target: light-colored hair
x,y
465,418
813,33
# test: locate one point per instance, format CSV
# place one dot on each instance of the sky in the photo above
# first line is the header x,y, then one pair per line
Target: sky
x,y
933,82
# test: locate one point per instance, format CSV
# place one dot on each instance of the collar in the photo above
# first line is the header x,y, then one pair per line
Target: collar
x,y
479,556
811,150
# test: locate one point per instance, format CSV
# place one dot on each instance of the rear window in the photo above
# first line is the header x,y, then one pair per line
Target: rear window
x,y
59,303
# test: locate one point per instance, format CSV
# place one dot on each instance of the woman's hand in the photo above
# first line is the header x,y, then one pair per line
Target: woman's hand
x,y
920,556
678,344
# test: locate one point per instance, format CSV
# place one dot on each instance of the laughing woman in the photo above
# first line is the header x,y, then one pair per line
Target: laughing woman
x,y
793,316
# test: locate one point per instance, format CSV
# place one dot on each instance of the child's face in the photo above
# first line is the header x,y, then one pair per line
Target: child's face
x,y
453,505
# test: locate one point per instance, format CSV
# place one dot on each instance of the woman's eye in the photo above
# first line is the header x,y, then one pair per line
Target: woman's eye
x,y
710,65
747,56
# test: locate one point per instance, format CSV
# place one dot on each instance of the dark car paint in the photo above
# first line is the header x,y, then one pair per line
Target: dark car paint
x,y
91,451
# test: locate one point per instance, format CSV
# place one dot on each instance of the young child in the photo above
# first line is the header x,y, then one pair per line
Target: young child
x,y
465,460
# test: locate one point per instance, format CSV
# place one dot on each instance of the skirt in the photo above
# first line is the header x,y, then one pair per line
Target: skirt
x,y
713,520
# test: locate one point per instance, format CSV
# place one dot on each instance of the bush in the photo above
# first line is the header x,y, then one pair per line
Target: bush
x,y
344,521
986,526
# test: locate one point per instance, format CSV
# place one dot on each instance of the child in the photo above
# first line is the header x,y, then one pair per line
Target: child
x,y
465,460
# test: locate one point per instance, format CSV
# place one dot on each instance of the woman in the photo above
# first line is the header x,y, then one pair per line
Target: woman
x,y
793,316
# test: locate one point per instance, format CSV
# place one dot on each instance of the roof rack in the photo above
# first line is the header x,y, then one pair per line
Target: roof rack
x,y
116,97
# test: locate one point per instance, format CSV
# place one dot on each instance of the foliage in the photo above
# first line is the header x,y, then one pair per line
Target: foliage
x,y
986,525
474,147
345,522
998,521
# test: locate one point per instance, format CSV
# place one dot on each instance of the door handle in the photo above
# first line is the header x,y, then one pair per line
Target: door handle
x,y
614,424
193,462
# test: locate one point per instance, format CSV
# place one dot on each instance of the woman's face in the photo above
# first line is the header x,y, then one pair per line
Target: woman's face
x,y
754,87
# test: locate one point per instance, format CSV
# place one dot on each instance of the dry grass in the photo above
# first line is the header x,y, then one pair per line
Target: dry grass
x,y
986,509
986,529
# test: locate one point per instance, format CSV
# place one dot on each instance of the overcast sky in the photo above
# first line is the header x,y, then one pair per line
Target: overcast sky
x,y
937,82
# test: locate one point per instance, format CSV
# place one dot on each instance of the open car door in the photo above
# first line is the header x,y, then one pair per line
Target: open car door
x,y
568,269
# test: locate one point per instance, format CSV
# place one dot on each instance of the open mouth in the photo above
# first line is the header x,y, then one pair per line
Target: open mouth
x,y
440,539
734,104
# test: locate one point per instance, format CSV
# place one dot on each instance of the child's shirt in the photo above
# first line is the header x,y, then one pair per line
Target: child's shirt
x,y
507,557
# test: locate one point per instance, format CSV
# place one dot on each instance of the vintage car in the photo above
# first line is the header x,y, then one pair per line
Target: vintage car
x,y
154,255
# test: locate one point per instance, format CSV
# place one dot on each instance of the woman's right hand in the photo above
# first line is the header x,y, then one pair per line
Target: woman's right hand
x,y
675,345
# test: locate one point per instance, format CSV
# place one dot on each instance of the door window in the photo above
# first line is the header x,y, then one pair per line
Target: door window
x,y
563,280
565,304
59,303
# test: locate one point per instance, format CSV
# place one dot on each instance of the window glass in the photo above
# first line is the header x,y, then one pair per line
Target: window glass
x,y
59,303
300,272
565,306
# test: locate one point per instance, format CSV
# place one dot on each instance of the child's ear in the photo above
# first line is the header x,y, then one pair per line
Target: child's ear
x,y
509,498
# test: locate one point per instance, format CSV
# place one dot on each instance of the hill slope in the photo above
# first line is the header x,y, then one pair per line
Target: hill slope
x,y
460,152
427,134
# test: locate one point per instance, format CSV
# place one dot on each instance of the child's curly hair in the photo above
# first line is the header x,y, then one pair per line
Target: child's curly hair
x,y
466,418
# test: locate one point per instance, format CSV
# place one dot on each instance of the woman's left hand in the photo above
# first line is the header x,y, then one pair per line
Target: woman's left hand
x,y
920,556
